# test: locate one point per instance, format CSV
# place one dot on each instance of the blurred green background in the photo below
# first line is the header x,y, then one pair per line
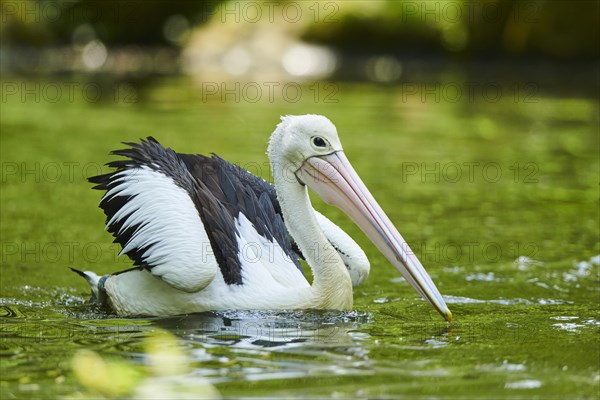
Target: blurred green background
x,y
553,30
554,43
474,123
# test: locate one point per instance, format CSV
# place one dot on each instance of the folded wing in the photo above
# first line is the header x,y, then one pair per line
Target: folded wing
x,y
175,214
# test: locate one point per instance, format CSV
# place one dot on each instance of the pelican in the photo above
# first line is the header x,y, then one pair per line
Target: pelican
x,y
205,234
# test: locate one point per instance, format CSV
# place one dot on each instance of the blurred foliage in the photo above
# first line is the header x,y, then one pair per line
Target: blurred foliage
x,y
115,22
559,29
167,374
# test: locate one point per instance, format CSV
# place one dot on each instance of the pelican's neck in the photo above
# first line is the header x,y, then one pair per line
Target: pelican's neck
x,y
332,286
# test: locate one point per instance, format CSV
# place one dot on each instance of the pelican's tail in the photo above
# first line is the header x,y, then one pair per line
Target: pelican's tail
x,y
97,285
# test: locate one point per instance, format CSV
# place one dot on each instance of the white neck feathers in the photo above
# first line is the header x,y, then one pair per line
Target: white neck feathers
x,y
332,286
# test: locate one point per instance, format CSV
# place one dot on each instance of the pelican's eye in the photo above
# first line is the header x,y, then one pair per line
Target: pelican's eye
x,y
319,142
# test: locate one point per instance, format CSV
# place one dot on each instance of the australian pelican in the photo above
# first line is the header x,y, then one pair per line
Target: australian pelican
x,y
205,234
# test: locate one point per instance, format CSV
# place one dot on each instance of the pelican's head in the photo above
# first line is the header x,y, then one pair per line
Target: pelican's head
x,y
308,148
300,137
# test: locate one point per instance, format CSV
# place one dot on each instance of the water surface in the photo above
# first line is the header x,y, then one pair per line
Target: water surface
x,y
499,200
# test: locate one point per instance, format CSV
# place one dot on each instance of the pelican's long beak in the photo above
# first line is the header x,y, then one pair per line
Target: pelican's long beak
x,y
333,178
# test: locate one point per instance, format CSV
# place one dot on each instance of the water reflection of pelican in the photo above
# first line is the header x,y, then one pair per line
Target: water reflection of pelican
x,y
266,329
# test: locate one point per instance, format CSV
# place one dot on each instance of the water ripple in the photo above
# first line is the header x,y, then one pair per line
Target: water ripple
x,y
524,384
468,300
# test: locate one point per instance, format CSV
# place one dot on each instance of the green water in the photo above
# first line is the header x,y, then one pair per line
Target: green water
x,y
499,200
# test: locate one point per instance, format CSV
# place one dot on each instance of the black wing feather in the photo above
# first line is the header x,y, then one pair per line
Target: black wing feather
x,y
219,190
